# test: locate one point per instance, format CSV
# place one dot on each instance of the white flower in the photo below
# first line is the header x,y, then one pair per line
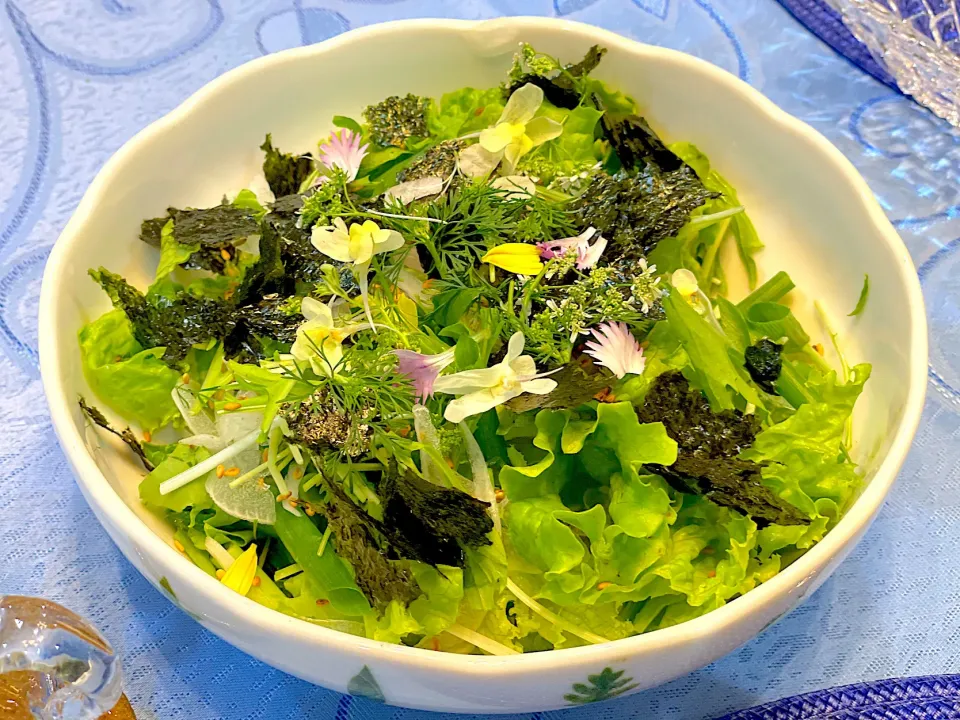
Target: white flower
x,y
342,150
515,134
480,390
616,349
356,245
685,282
587,255
319,341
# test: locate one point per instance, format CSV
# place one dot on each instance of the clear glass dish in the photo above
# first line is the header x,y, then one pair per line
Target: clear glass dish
x,y
917,41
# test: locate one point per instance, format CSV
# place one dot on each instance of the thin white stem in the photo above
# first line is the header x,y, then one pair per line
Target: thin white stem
x,y
714,217
552,617
204,466
406,217
482,484
218,552
481,641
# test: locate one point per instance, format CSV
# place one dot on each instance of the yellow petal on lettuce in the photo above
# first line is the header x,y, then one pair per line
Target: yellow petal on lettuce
x,y
518,258
239,576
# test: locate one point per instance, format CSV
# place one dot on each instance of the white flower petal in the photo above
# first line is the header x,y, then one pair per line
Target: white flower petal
x,y
333,242
411,190
523,104
541,129
524,366
475,162
477,403
469,381
313,309
685,282
514,347
392,240
540,386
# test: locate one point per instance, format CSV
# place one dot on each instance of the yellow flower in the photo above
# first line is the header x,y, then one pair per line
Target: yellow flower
x,y
516,133
239,576
357,244
519,258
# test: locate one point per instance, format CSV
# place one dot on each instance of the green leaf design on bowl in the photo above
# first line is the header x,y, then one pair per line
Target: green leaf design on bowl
x,y
608,684
363,684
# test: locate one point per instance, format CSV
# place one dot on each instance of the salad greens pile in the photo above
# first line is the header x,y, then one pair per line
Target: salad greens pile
x,y
467,378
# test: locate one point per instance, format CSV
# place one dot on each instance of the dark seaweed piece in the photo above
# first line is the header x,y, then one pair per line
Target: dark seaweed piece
x,y
430,523
150,230
379,578
577,383
285,173
397,118
127,435
733,483
175,323
635,142
216,230
637,211
708,444
438,161
688,419
763,362
273,317
268,274
319,424
560,90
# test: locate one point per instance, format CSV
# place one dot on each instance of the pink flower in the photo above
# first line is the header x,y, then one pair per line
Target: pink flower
x,y
423,369
587,255
616,349
343,150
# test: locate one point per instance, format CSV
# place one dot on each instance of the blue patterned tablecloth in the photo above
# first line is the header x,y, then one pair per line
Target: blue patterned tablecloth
x,y
79,77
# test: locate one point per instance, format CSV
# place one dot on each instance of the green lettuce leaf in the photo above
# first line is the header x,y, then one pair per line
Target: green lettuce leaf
x,y
172,253
133,382
191,495
464,111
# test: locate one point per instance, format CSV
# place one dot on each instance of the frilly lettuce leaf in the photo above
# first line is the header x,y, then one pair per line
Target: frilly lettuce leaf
x,y
133,382
430,614
191,495
464,111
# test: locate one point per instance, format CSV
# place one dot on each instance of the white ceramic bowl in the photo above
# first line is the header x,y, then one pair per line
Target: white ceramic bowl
x,y
816,214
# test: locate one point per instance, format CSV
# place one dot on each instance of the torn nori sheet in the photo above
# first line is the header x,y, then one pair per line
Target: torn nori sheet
x,y
707,454
127,435
579,382
764,363
284,172
559,90
216,230
176,323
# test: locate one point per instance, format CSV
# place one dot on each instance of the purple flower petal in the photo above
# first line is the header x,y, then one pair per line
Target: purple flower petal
x,y
423,370
343,150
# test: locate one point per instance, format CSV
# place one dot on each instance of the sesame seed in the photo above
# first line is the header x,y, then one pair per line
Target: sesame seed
x,y
186,378
220,471
118,358
499,495
179,546
283,496
232,471
264,455
309,511
298,472
603,585
322,602
256,581
232,406
224,254
220,574
230,271
147,436
228,294
712,574
435,644
819,348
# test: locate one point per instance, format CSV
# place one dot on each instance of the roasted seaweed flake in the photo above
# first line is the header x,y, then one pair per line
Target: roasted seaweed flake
x,y
397,118
320,424
285,173
127,435
175,322
763,362
438,161
708,446
218,231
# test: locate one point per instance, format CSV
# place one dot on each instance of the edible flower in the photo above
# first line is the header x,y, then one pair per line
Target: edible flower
x,y
319,341
616,348
587,255
481,390
342,150
357,245
515,134
423,370
239,576
685,283
518,258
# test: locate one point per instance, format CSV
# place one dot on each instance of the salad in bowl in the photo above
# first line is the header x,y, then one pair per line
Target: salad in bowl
x,y
468,377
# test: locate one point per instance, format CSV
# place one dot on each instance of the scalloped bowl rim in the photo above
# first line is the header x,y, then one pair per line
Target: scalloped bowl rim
x,y
232,608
